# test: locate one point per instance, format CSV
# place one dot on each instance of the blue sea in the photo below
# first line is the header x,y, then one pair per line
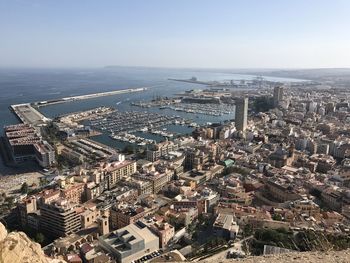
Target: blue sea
x,y
30,85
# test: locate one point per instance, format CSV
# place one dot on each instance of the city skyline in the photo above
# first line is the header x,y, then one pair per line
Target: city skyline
x,y
197,34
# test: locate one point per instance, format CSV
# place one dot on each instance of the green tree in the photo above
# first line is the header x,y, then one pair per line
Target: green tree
x,y
40,238
248,230
24,188
10,201
43,181
175,222
235,169
128,149
277,217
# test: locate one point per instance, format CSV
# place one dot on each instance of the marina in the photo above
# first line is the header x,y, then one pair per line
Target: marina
x,y
135,126
168,115
206,109
86,115
157,102
133,139
163,133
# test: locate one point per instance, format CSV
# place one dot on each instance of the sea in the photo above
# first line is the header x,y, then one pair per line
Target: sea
x,y
32,85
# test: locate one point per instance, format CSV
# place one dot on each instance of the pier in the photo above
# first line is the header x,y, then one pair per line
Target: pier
x,y
192,80
88,96
102,94
29,115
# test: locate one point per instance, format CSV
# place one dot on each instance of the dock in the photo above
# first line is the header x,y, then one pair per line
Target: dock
x,y
88,96
29,115
193,81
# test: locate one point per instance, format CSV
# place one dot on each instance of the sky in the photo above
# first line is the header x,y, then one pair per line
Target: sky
x,y
175,33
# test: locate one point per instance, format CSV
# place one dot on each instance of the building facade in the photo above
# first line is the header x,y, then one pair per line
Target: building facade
x,y
241,115
277,95
59,218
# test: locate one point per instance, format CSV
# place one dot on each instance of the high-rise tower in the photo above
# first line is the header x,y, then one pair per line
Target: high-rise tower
x,y
241,117
277,95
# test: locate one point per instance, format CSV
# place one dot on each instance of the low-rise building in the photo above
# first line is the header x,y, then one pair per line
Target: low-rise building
x,y
154,152
156,179
74,192
121,217
130,243
117,170
164,231
225,226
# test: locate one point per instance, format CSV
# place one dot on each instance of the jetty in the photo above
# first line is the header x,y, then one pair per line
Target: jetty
x,y
88,96
29,115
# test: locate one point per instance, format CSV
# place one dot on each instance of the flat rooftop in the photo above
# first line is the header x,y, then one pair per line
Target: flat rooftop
x,y
123,239
29,115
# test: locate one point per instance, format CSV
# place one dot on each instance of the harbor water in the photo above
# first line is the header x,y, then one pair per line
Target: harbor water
x,y
32,85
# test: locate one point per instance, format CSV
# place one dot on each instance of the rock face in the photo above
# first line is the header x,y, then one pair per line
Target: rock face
x,y
3,232
16,247
302,257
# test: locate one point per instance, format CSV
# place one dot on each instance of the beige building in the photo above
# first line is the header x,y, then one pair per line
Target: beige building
x,y
117,170
27,206
157,180
130,243
48,196
225,226
306,207
103,225
159,150
59,218
73,193
281,193
164,231
126,216
89,217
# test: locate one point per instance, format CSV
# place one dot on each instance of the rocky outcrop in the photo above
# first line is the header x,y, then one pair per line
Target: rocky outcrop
x,y
16,247
301,257
3,232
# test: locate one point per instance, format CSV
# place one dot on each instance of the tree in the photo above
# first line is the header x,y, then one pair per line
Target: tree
x,y
277,217
128,149
40,238
175,222
248,230
236,169
10,200
43,181
24,188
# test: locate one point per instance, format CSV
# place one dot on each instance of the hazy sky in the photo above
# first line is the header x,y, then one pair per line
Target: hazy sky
x,y
175,33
